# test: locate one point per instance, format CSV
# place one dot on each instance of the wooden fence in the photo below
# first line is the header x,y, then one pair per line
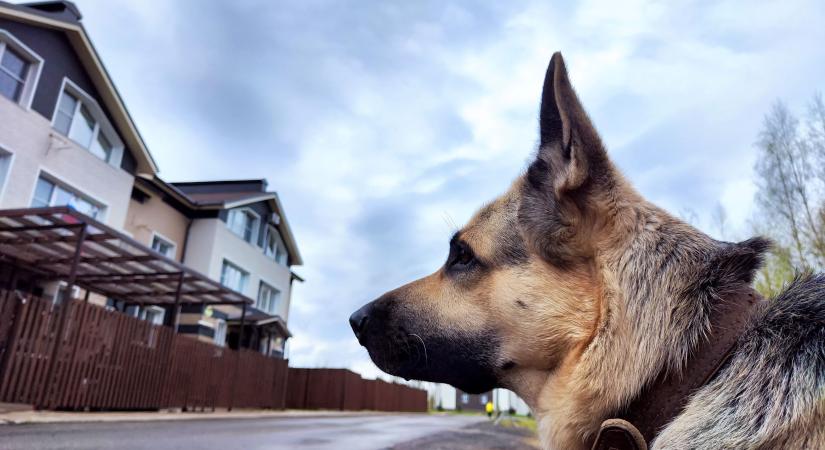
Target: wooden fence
x,y
341,389
106,360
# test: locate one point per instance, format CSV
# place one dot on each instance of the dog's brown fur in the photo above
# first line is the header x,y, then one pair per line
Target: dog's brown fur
x,y
577,292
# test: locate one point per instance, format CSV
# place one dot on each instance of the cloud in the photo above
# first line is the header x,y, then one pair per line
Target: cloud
x,y
382,124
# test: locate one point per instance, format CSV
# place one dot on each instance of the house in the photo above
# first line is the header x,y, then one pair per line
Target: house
x,y
61,119
472,402
235,232
446,397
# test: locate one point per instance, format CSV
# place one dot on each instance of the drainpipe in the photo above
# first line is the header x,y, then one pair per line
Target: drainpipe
x,y
176,308
185,240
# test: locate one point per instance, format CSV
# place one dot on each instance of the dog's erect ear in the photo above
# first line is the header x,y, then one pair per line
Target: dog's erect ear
x,y
570,168
570,148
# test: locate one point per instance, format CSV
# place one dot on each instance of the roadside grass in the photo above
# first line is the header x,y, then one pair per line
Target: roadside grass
x,y
528,423
525,422
453,412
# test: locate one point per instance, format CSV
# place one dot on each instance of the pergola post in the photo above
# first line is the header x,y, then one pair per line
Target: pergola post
x,y
64,316
167,378
238,358
176,306
10,337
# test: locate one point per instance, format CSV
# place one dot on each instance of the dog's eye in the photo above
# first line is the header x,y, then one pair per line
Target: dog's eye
x,y
460,257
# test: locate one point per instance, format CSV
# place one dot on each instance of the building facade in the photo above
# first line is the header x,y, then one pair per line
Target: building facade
x,y
446,397
235,232
61,119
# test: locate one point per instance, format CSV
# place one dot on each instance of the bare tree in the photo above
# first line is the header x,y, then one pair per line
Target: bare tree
x,y
777,271
689,215
719,217
815,137
788,181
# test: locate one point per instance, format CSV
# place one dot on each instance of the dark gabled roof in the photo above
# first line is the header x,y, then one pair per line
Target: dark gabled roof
x,y
228,198
252,184
63,10
65,17
220,195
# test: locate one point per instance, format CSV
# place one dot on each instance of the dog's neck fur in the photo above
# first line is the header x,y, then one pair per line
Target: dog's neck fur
x,y
655,286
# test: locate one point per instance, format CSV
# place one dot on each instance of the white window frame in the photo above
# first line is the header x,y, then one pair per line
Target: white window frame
x,y
172,244
256,228
221,328
35,66
57,181
244,280
62,285
270,307
154,309
102,123
280,245
6,164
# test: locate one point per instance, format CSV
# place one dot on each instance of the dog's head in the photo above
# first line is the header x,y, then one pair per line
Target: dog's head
x,y
519,289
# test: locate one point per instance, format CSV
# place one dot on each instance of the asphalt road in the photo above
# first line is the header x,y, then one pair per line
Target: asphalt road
x,y
361,432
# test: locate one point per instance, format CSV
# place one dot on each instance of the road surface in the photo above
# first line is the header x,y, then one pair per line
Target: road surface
x,y
359,432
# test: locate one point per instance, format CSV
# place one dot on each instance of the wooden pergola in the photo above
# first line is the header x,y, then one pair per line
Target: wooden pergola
x,y
60,243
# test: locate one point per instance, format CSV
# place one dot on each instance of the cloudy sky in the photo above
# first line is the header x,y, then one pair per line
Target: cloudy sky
x,y
382,125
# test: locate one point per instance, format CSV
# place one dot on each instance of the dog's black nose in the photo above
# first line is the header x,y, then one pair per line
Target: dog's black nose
x,y
358,320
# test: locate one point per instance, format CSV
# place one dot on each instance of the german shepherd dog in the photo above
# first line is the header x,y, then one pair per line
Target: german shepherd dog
x,y
575,292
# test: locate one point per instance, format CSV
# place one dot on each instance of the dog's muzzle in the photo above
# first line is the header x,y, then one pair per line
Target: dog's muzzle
x,y
359,320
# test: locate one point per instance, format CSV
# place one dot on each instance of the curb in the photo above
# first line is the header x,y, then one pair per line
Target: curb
x,y
55,418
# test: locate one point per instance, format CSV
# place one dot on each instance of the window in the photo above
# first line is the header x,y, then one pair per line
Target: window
x,y
62,294
75,120
244,223
268,298
19,70
13,71
47,193
465,398
220,332
152,314
163,246
483,399
5,165
65,112
274,246
79,117
233,276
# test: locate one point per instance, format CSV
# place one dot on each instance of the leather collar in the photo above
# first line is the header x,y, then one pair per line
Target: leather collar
x,y
665,397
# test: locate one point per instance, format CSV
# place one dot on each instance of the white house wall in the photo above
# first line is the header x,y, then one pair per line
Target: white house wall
x,y
211,241
36,147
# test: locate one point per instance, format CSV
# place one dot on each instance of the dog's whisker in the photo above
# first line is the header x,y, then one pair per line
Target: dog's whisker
x,y
426,359
448,220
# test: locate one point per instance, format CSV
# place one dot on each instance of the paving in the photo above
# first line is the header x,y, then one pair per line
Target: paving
x,y
478,436
351,432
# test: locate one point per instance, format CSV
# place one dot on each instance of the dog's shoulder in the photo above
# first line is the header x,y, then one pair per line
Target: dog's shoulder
x,y
770,393
801,305
788,334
